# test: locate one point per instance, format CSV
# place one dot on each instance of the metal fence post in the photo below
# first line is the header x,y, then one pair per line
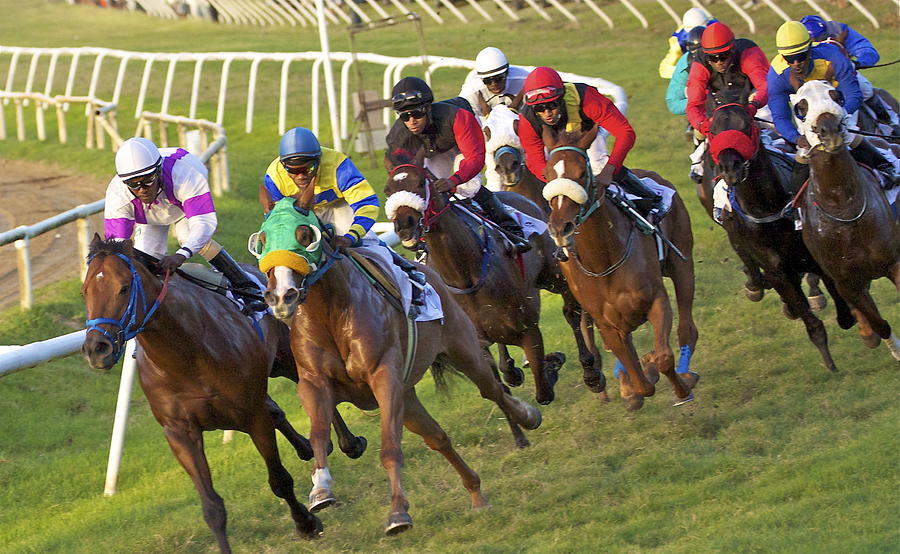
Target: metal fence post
x,y
26,295
84,240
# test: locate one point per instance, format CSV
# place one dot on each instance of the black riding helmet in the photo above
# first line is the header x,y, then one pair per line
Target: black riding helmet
x,y
692,41
409,93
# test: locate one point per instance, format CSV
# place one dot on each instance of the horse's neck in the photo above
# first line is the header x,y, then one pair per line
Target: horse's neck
x,y
341,290
761,188
835,176
532,188
601,241
453,248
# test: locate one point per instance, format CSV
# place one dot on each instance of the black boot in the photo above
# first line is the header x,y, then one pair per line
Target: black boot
x,y
648,201
498,214
869,155
879,109
239,281
416,276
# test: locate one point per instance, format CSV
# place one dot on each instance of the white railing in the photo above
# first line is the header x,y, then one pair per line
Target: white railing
x,y
103,58
101,117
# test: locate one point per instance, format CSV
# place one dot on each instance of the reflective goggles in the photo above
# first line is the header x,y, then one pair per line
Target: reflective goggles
x,y
414,96
544,106
142,182
300,165
417,113
794,58
719,57
494,79
543,93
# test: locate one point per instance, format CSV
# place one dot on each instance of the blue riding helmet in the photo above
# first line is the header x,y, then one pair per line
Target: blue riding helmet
x,y
299,142
815,25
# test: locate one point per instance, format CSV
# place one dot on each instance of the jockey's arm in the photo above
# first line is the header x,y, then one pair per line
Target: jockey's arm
x,y
755,65
676,98
470,141
604,113
118,216
361,197
201,228
265,199
779,103
533,145
697,89
667,65
860,49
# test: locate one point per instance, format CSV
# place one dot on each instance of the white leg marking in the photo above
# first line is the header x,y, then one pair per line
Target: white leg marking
x,y
321,478
893,344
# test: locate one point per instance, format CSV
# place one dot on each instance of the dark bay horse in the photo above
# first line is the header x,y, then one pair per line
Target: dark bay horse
x,y
614,270
756,225
848,225
352,345
500,293
201,365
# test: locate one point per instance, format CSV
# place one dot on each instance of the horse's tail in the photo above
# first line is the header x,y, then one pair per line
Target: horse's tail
x,y
439,368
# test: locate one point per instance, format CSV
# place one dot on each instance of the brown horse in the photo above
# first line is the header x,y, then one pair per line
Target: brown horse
x,y
351,345
201,365
756,224
499,292
614,270
848,225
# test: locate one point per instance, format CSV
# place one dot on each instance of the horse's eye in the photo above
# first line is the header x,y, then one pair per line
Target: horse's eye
x,y
124,290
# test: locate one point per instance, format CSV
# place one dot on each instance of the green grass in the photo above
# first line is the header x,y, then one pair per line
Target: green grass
x,y
775,455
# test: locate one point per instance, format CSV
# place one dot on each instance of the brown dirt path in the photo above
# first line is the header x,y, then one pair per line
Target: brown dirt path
x,y
31,192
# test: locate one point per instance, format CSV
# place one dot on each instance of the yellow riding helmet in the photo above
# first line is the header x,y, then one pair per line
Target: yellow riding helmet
x,y
792,38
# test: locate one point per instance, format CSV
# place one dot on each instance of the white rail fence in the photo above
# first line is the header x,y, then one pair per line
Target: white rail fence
x,y
346,12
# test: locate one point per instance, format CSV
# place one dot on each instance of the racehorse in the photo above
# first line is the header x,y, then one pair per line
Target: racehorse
x,y
201,365
757,225
615,272
499,292
352,345
848,225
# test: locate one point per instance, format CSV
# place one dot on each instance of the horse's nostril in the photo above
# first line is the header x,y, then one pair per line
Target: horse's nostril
x,y
568,228
291,296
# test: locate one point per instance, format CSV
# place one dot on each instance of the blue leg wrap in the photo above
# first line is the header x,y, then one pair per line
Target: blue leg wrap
x,y
618,369
684,359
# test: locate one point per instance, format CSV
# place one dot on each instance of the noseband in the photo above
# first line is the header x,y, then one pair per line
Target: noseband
x,y
127,324
593,202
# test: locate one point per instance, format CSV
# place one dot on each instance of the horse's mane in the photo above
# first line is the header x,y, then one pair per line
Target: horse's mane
x,y
110,247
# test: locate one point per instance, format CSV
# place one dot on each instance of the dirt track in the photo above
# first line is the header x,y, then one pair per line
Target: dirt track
x,y
32,192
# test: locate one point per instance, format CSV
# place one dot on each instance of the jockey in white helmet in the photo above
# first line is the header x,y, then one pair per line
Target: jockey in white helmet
x,y
156,188
494,80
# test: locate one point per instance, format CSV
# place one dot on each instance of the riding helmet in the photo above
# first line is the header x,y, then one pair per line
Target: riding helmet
x,y
299,142
792,38
136,157
815,25
692,42
717,38
694,17
489,62
409,93
543,85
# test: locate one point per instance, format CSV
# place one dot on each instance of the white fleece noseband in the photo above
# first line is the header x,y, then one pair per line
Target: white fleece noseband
x,y
565,187
403,198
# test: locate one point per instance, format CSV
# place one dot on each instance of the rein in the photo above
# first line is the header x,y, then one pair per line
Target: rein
x,y
833,217
127,324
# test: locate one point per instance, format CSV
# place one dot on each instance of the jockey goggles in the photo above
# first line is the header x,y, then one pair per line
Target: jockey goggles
x,y
544,106
544,93
417,113
142,182
798,57
408,97
494,79
301,165
719,57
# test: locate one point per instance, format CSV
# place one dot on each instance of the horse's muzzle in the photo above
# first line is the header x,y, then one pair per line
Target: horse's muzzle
x,y
283,306
99,352
562,235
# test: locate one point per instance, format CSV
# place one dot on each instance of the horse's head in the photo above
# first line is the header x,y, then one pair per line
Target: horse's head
x,y
113,299
289,247
503,146
408,194
734,142
569,181
820,115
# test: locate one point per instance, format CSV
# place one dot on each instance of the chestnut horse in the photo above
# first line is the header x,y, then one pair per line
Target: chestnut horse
x,y
499,292
615,273
848,225
201,365
352,345
756,225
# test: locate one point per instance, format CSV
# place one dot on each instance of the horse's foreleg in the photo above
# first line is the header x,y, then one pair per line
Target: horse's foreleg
x,y
683,279
512,375
660,317
419,421
388,391
633,384
298,441
351,445
871,325
814,294
318,403
593,375
280,481
187,445
533,345
796,305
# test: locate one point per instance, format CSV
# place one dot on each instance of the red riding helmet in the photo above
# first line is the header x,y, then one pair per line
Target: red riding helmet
x,y
717,38
543,85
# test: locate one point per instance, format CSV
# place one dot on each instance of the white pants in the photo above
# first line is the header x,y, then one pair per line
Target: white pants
x,y
154,239
443,165
598,154
864,86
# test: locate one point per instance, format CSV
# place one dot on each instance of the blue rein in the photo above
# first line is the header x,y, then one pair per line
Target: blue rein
x,y
127,324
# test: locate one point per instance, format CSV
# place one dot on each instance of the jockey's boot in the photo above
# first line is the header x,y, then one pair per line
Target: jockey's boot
x,y
242,285
869,155
648,200
416,277
879,109
498,214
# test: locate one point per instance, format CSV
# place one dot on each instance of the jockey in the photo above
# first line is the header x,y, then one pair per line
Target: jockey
x,y
578,107
694,17
799,61
494,81
676,94
453,146
157,188
334,187
861,53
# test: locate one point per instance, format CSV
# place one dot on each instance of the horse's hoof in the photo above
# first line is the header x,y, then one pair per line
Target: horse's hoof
x,y
685,400
651,370
595,380
522,443
313,529
689,379
787,312
357,449
633,403
603,397
533,419
754,295
513,376
554,361
817,303
871,341
304,450
397,523
320,499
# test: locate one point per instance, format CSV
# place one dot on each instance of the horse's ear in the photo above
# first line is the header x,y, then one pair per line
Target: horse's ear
x,y
483,105
95,242
128,248
516,126
389,161
419,159
262,239
585,140
517,101
487,133
549,137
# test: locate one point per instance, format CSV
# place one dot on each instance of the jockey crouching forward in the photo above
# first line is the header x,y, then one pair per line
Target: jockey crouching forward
x,y
578,107
328,182
157,188
724,63
799,61
453,144
494,82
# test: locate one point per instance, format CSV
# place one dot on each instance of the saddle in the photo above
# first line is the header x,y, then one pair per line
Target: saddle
x,y
784,166
382,282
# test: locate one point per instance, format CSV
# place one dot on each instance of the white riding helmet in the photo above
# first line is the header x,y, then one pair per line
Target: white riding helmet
x,y
694,17
490,62
137,156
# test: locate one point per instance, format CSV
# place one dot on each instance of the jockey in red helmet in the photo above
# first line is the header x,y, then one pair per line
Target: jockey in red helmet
x,y
549,102
725,63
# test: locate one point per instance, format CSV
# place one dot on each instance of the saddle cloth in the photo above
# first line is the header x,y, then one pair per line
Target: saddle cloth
x,y
665,192
381,267
530,225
